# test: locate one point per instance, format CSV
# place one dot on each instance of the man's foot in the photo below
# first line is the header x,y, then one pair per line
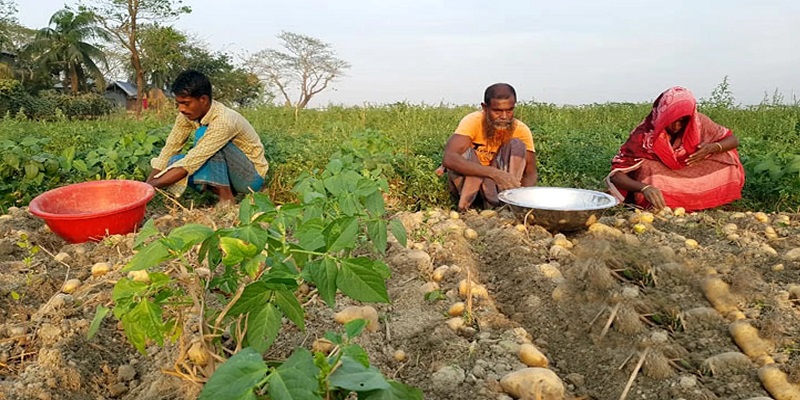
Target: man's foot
x,y
224,204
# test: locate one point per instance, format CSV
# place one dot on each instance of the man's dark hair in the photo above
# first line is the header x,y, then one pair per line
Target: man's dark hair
x,y
499,91
191,83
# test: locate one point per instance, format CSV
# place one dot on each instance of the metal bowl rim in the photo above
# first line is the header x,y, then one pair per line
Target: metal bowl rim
x,y
503,196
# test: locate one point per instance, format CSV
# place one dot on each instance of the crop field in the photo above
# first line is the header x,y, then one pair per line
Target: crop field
x,y
350,275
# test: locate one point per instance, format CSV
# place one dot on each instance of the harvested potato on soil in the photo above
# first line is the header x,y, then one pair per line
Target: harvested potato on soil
x,y
399,355
198,354
532,357
100,269
71,285
455,323
470,234
139,276
777,383
355,312
604,230
719,295
439,273
322,345
746,337
533,383
457,309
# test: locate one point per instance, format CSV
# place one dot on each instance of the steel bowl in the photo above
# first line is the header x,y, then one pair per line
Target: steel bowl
x,y
557,209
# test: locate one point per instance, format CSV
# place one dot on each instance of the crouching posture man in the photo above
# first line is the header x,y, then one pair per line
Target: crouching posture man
x,y
490,151
226,154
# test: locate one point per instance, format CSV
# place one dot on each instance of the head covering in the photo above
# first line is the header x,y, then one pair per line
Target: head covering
x,y
650,139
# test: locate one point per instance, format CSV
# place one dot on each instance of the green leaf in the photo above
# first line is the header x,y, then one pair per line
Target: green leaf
x,y
236,378
80,166
353,375
246,211
31,170
99,315
125,289
397,391
263,326
288,303
374,203
309,234
357,353
142,323
399,232
147,231
210,250
191,234
296,379
361,282
341,234
355,327
236,250
149,256
376,230
323,274
254,297
254,234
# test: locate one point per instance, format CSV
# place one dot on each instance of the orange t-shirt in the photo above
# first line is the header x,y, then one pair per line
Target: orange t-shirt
x,y
472,126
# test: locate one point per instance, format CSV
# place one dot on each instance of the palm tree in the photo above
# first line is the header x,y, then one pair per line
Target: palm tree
x,y
63,46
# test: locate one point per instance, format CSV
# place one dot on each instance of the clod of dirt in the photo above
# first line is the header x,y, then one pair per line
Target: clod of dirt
x,y
447,379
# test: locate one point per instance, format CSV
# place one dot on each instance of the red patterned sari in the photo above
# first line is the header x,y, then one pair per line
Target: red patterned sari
x,y
648,157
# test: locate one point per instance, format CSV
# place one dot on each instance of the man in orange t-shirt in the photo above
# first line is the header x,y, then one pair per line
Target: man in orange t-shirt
x,y
490,151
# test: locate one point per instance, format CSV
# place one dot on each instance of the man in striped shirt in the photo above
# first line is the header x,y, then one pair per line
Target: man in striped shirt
x,y
226,155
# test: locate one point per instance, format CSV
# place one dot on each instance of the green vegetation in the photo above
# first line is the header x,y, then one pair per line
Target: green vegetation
x,y
574,145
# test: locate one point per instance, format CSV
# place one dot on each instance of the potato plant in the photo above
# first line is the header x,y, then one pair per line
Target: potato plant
x,y
222,293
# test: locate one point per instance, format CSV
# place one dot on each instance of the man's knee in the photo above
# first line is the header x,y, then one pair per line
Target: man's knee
x,y
517,146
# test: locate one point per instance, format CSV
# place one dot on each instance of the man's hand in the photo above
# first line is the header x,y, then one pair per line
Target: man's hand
x,y
704,150
505,180
654,196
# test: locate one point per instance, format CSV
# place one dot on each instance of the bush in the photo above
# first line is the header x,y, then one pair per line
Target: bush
x,y
48,105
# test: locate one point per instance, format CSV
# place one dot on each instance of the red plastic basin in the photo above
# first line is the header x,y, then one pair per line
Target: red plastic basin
x,y
91,210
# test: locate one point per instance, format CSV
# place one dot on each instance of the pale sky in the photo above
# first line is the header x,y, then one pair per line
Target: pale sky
x,y
563,52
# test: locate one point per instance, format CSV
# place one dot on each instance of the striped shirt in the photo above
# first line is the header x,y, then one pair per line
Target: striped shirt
x,y
224,125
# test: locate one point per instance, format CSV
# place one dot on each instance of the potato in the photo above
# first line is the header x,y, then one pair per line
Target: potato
x,y
399,355
439,273
729,229
560,240
457,309
746,337
642,218
488,213
198,354
139,276
533,383
639,228
761,217
354,312
71,285
322,345
455,323
531,356
690,243
601,229
478,291
679,211
770,233
470,234
100,269
454,215
62,257
777,383
718,294
520,228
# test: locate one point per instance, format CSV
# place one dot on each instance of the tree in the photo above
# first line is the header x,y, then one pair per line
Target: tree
x,y
7,20
125,20
308,66
63,47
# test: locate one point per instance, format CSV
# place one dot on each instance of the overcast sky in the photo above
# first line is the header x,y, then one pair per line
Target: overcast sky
x,y
564,52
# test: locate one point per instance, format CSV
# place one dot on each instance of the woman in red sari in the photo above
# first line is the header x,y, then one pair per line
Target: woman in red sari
x,y
677,157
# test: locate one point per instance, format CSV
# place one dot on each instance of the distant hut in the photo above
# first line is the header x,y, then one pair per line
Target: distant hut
x,y
122,94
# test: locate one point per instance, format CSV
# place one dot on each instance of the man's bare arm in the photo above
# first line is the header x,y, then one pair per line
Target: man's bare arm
x,y
454,161
530,177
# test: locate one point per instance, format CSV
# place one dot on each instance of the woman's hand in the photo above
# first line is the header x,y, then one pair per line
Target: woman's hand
x,y
654,196
704,150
